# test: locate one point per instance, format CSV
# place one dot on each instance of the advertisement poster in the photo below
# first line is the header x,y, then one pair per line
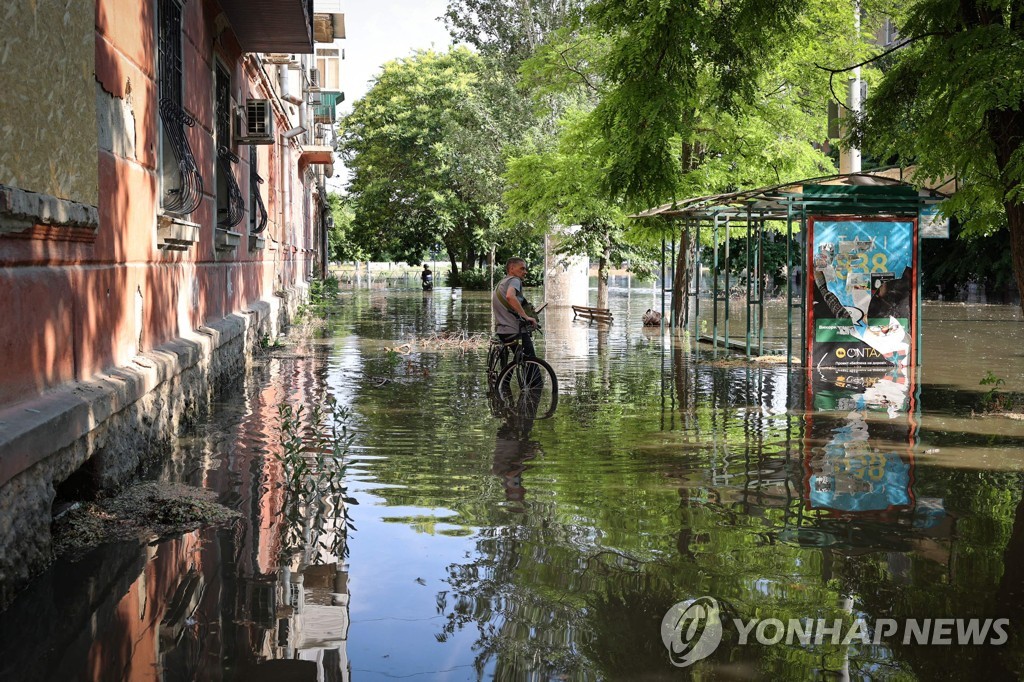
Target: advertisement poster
x,y
861,294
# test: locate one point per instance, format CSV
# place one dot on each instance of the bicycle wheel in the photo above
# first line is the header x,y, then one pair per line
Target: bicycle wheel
x,y
496,355
529,388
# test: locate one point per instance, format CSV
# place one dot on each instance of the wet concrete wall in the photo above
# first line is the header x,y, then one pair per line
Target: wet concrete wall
x,y
107,430
48,109
91,279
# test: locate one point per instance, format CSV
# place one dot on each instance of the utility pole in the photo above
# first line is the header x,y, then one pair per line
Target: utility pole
x,y
849,159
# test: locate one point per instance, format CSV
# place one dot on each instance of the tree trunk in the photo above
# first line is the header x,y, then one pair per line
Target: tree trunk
x,y
470,259
453,259
602,272
681,281
1006,129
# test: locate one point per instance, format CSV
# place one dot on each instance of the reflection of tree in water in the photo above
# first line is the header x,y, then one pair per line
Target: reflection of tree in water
x,y
529,594
519,622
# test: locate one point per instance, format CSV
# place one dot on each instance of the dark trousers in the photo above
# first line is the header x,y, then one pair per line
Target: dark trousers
x,y
525,339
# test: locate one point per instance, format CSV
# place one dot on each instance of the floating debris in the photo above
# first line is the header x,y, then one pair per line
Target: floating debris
x,y
755,360
141,511
460,340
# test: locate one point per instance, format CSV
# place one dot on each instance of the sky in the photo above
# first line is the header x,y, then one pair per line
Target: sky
x,y
378,31
381,30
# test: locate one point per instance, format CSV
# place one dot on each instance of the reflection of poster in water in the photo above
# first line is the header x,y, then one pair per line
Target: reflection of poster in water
x,y
851,474
854,462
861,292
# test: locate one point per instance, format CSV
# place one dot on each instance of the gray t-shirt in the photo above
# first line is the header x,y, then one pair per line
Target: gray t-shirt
x,y
506,320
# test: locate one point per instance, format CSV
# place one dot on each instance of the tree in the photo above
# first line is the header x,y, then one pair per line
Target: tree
x,y
509,31
951,102
425,147
673,111
341,246
560,188
667,61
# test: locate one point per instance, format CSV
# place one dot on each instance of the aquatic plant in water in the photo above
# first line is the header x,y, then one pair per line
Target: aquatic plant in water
x,y
314,446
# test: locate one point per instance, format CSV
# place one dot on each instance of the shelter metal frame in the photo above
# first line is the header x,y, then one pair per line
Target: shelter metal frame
x,y
892,196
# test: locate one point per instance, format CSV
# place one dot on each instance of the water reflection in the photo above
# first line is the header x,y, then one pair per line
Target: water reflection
x,y
508,548
512,450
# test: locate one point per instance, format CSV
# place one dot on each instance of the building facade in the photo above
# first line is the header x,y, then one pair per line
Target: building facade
x,y
161,210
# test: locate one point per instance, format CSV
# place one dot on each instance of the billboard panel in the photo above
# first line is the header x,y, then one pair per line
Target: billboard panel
x,y
862,293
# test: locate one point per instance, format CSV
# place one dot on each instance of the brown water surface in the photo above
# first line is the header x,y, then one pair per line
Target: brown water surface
x,y
492,547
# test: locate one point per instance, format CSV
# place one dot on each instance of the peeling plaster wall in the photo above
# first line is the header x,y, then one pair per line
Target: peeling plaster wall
x,y
48,108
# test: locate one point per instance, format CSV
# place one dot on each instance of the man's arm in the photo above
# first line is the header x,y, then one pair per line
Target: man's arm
x,y
510,296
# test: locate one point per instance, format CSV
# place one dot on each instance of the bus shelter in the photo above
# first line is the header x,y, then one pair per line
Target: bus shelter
x,y
852,251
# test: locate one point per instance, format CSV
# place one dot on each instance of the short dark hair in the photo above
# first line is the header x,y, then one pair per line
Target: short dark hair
x,y
513,261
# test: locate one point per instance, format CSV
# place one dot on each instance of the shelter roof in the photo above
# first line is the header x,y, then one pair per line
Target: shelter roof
x,y
881,191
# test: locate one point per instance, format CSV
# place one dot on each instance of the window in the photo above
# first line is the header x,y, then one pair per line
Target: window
x,y
230,204
328,62
257,211
181,185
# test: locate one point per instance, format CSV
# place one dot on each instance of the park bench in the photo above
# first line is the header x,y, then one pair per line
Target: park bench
x,y
593,314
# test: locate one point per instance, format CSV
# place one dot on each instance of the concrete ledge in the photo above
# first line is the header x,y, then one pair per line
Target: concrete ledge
x,y
21,209
29,431
103,432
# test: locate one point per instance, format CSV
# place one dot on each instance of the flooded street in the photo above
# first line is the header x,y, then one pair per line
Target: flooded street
x,y
517,549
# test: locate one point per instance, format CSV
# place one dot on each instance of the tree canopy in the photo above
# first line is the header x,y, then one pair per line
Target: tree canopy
x,y
425,147
951,104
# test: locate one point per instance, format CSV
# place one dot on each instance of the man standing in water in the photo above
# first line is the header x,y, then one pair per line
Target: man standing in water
x,y
510,306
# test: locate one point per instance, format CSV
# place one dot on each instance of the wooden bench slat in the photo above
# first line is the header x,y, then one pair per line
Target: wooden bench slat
x,y
599,314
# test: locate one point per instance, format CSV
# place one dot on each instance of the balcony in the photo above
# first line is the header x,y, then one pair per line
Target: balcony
x,y
326,111
272,25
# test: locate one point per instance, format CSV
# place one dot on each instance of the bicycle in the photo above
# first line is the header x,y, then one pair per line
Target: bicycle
x,y
526,386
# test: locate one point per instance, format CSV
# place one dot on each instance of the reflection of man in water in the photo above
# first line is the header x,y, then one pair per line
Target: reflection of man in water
x,y
512,449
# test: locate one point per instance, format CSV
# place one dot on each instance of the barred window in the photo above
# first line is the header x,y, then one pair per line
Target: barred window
x,y
181,185
230,204
257,210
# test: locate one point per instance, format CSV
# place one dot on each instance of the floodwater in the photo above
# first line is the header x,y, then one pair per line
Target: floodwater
x,y
846,530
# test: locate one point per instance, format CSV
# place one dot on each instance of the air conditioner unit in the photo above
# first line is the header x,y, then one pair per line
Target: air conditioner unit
x,y
259,123
314,78
277,58
314,97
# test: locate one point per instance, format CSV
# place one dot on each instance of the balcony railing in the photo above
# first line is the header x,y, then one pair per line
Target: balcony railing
x,y
326,112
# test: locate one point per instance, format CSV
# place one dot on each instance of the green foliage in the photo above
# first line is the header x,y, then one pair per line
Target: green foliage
x,y
947,266
323,292
508,30
265,343
341,239
479,279
313,452
323,296
679,72
950,104
425,147
995,400
773,254
392,359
